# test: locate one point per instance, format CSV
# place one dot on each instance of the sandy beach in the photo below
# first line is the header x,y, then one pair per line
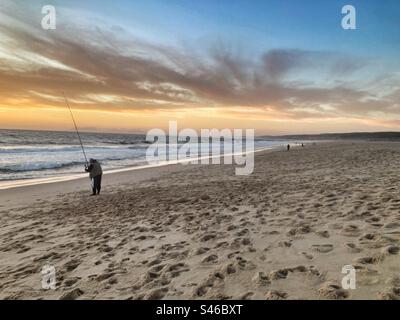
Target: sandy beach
x,y
201,232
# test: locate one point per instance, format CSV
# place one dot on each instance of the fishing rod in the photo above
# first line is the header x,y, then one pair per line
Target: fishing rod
x,y
76,128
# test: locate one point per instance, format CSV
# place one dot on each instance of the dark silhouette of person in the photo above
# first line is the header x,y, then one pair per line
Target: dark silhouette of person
x,y
288,147
95,174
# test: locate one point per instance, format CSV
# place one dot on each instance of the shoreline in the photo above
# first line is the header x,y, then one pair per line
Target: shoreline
x,y
11,184
10,197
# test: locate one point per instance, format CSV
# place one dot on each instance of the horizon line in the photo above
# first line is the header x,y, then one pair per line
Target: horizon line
x,y
262,135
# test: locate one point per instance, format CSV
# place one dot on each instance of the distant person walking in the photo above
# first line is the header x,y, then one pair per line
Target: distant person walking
x,y
95,174
288,147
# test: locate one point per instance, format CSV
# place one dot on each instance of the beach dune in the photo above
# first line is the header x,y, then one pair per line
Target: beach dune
x,y
201,232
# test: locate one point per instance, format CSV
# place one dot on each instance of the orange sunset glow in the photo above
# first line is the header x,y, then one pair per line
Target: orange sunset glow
x,y
119,81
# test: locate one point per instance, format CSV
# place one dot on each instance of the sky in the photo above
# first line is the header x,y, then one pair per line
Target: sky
x,y
278,66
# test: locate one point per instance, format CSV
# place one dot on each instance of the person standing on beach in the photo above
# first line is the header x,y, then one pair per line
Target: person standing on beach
x,y
288,147
95,174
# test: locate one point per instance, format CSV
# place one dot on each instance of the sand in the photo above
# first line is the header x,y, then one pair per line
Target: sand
x,y
200,232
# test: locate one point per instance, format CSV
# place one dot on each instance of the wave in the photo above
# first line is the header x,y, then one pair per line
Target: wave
x,y
41,167
57,149
51,166
65,141
30,149
134,142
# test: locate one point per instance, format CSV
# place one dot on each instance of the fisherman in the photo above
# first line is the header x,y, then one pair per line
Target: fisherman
x,y
95,174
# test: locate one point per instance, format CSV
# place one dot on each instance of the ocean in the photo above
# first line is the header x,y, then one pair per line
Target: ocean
x,y
43,154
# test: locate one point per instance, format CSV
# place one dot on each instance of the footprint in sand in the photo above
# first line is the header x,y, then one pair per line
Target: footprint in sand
x,y
261,279
283,273
278,274
246,296
394,281
362,269
141,238
276,295
72,295
369,236
230,269
353,248
208,237
203,288
323,248
243,264
213,258
201,291
242,232
222,244
391,250
299,230
71,265
23,249
286,244
175,270
368,260
332,290
351,230
392,293
392,225
112,280
323,233
149,276
157,294
157,268
307,255
71,281
104,276
154,262
201,250
373,219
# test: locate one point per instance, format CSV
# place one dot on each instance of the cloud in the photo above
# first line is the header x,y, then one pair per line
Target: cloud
x,y
111,69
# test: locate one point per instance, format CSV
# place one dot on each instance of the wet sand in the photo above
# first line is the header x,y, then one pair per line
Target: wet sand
x,y
200,232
